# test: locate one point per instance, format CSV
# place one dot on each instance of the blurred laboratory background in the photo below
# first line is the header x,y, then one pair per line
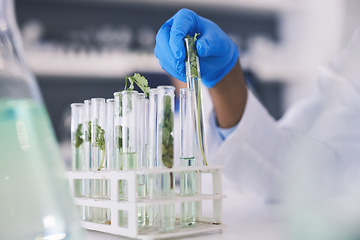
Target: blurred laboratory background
x,y
80,49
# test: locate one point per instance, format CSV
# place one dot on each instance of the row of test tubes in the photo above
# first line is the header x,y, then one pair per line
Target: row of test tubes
x,y
129,132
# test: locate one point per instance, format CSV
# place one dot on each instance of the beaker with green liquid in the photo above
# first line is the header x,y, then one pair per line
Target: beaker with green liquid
x,y
35,198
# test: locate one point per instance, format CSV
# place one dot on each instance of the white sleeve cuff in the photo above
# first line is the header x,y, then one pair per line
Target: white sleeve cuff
x,y
222,132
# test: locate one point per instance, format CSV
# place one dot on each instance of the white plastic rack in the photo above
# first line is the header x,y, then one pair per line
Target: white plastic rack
x,y
203,224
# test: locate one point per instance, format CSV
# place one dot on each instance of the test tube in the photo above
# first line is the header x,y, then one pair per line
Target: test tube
x,y
109,133
152,132
151,154
165,153
118,133
193,80
77,138
141,118
129,133
118,142
187,154
98,119
77,150
98,154
87,138
87,155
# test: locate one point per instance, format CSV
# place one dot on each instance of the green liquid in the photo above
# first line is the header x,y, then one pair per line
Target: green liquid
x,y
130,160
32,182
167,219
167,211
187,188
101,215
151,213
78,165
141,210
130,163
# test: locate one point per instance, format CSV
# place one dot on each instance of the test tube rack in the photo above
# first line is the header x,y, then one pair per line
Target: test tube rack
x,y
203,224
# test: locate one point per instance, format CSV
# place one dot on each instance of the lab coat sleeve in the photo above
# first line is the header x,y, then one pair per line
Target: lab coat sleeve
x,y
250,152
261,154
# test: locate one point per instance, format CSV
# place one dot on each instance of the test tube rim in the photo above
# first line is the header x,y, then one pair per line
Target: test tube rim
x,y
77,105
166,87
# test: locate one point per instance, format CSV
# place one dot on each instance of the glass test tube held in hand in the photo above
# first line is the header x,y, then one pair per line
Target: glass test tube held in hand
x,y
187,154
193,80
165,154
98,154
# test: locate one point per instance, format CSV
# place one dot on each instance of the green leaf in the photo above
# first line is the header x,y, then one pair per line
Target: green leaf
x,y
192,58
89,131
78,136
140,81
167,134
100,138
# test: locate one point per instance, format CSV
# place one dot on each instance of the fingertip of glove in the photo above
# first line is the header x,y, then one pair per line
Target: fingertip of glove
x,y
201,47
180,66
178,55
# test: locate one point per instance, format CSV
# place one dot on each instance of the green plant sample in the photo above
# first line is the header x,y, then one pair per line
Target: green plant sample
x,y
192,55
100,143
89,131
140,81
167,148
78,136
195,74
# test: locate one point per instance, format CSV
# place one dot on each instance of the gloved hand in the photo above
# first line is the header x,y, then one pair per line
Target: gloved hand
x,y
217,53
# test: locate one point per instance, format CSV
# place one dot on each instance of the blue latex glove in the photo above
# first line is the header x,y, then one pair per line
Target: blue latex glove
x,y
217,53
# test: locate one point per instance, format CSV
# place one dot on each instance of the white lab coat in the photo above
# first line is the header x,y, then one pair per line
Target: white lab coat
x,y
320,135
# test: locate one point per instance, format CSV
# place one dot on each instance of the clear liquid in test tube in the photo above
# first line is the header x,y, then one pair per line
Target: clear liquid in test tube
x,y
87,155
187,154
141,119
77,150
98,155
109,133
165,154
151,155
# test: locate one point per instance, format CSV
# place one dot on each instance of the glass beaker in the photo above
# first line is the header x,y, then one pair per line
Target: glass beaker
x,y
35,200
